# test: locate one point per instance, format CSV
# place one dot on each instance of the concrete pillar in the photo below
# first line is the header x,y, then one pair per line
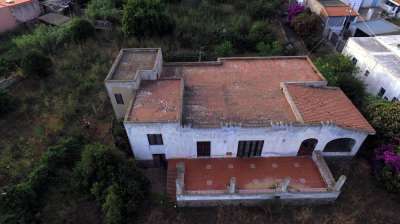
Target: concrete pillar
x,y
179,187
232,185
339,183
285,184
180,178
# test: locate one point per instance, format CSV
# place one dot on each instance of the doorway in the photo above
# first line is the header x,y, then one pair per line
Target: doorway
x,y
307,147
159,160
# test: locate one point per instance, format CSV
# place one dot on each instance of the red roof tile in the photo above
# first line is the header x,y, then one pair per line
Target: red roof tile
x,y
318,104
338,11
157,101
240,91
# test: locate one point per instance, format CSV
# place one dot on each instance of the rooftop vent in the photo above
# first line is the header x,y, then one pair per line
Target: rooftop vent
x,y
10,1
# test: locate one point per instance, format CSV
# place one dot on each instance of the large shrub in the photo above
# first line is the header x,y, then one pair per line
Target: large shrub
x,y
145,18
224,49
272,49
79,30
34,63
7,103
339,71
110,177
262,9
102,9
387,166
308,26
260,32
384,116
21,202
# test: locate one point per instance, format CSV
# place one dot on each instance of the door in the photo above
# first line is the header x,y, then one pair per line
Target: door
x,y
159,160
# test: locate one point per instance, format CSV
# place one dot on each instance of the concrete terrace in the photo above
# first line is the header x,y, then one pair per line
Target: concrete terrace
x,y
130,61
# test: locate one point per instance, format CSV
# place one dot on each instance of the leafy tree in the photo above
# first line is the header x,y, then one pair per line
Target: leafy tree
x,y
339,71
262,9
224,49
145,18
384,116
7,103
264,49
35,63
102,9
80,30
260,32
306,24
113,206
110,177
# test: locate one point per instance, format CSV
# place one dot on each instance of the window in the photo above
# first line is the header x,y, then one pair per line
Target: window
x,y
340,145
203,149
307,147
395,99
354,60
155,139
250,148
381,92
366,73
118,98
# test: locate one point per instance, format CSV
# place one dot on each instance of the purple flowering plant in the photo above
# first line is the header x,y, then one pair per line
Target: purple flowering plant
x,y
294,9
389,154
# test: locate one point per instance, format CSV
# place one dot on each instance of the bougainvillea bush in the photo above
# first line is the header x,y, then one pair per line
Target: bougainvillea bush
x,y
387,166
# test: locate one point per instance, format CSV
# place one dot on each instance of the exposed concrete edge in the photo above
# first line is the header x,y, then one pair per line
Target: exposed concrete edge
x,y
323,169
252,199
292,105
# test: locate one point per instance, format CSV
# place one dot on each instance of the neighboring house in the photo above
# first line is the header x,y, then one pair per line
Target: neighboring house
x,y
372,28
337,16
237,129
15,12
392,7
378,59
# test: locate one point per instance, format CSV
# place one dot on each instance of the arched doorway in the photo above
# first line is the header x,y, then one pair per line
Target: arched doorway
x,y
307,147
340,145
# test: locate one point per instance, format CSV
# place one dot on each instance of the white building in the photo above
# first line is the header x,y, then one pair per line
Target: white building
x,y
239,112
392,7
378,59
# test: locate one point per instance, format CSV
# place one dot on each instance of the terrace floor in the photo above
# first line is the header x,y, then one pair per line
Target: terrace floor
x,y
250,173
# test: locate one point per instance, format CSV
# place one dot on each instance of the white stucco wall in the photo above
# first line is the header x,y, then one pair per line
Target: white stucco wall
x,y
181,142
378,77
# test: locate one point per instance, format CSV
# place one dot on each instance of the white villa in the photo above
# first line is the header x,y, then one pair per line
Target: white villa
x,y
378,59
236,129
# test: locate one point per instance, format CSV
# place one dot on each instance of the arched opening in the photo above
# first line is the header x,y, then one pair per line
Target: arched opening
x,y
307,147
340,145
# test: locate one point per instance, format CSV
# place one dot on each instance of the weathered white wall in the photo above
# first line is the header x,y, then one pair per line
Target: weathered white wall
x,y
378,77
180,142
27,11
126,89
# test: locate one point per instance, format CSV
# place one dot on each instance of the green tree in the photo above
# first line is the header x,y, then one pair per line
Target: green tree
x,y
384,116
102,9
113,206
145,18
262,9
260,32
80,30
306,24
7,103
340,71
35,63
224,49
265,49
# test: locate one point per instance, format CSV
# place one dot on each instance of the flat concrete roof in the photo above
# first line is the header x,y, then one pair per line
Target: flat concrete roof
x,y
377,27
130,61
370,44
54,19
390,62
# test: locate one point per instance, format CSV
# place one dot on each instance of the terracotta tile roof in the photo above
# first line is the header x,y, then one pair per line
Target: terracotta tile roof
x,y
338,11
3,3
250,173
317,104
157,101
396,1
239,91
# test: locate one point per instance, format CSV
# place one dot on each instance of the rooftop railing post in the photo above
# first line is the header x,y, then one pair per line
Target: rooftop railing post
x,y
285,184
232,185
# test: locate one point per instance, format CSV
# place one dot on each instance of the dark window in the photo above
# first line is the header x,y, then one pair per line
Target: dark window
x,y
155,139
381,92
395,99
118,98
250,148
354,61
203,149
366,73
340,145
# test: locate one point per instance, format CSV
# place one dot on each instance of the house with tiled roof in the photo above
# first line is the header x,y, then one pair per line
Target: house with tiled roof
x,y
240,130
15,12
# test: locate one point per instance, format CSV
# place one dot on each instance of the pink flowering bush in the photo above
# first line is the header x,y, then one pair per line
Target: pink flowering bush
x,y
293,10
387,166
